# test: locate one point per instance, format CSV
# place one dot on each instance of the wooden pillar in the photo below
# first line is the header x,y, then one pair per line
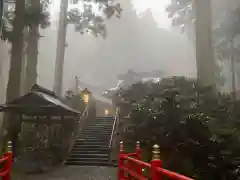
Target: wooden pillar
x,y
49,131
37,132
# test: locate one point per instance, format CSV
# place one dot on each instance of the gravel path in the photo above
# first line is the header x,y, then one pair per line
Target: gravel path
x,y
73,173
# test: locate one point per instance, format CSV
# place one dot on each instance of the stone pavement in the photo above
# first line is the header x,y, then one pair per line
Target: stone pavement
x,y
73,173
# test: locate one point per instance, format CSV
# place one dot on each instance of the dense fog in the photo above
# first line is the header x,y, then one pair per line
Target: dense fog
x,y
140,43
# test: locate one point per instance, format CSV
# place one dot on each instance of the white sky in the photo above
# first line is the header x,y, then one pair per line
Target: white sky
x,y
157,8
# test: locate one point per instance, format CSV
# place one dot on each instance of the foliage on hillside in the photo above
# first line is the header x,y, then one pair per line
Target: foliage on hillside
x,y
196,128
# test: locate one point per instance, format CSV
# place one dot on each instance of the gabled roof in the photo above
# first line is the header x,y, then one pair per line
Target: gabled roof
x,y
39,101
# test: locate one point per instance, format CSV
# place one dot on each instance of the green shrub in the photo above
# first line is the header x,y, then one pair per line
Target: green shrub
x,y
197,129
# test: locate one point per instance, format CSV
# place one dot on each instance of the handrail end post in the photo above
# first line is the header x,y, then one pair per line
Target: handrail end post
x,y
138,156
156,163
138,150
8,165
120,161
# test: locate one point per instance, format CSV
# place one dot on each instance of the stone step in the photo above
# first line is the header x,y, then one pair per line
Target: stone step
x,y
93,139
100,122
96,124
94,136
87,163
98,159
104,137
99,117
90,155
99,127
91,145
90,138
92,131
97,130
92,150
107,127
91,142
104,119
96,133
102,125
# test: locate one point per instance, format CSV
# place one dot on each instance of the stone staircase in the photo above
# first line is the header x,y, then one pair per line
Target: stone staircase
x,y
92,145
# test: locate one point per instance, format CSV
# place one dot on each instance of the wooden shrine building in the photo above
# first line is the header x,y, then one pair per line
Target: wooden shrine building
x,y
40,121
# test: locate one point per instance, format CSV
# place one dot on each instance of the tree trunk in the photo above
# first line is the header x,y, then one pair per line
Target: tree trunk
x,y
61,42
204,48
233,70
32,51
14,80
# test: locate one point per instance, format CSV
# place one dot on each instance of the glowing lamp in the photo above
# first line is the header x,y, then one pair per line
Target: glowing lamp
x,y
106,112
86,93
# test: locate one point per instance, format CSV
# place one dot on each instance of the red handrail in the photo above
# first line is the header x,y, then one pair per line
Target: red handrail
x,y
130,166
6,160
171,174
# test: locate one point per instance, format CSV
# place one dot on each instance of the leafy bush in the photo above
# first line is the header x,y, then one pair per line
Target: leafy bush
x,y
196,128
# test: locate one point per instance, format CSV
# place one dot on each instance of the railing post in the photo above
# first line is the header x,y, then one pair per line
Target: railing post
x,y
138,156
156,162
8,166
121,161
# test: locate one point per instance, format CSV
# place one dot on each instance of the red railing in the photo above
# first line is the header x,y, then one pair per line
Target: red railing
x,y
6,161
131,167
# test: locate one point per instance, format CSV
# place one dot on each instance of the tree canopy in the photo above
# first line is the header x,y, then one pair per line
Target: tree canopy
x,y
89,19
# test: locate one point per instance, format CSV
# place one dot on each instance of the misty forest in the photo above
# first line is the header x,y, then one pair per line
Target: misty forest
x,y
84,83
